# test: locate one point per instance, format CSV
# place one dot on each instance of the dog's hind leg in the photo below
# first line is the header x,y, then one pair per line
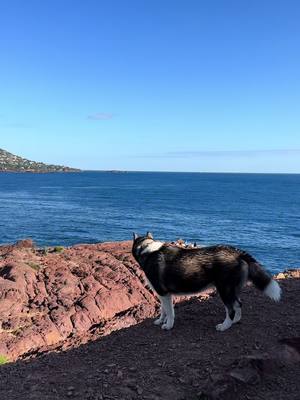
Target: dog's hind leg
x,y
167,305
228,321
238,311
233,314
229,299
229,290
237,305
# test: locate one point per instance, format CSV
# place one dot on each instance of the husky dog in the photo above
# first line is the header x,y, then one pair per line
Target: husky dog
x,y
172,270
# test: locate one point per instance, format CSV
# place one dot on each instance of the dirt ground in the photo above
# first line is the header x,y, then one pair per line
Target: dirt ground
x,y
190,362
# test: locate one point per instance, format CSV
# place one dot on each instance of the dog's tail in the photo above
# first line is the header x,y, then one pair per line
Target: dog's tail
x,y
261,278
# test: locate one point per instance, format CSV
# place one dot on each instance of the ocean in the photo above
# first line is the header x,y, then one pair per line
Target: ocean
x,y
256,212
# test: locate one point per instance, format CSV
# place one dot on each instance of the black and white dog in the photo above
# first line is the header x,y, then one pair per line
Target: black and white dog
x,y
172,270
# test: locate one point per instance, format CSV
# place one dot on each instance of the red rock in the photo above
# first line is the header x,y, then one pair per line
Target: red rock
x,y
25,244
81,321
49,296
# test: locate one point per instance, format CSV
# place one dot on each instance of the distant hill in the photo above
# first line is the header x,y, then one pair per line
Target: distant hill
x,y
10,162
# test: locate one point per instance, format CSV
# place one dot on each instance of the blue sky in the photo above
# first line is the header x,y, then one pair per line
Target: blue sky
x,y
187,85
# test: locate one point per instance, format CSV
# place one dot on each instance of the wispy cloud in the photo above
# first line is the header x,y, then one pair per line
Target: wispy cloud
x,y
100,116
223,153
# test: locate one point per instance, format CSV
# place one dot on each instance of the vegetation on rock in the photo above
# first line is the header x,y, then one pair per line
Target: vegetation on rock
x,y
12,163
3,359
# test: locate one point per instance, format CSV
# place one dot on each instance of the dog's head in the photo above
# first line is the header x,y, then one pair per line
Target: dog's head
x,y
140,243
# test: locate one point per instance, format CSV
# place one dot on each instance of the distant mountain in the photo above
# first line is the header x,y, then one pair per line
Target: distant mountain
x,y
10,162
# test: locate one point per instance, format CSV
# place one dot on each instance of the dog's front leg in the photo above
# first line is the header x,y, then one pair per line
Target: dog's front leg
x,y
162,318
167,306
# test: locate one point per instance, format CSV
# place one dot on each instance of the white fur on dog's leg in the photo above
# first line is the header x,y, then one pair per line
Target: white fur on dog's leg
x,y
226,324
167,305
162,317
160,320
238,312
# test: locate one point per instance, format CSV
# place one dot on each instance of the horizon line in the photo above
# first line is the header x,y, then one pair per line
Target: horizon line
x,y
187,172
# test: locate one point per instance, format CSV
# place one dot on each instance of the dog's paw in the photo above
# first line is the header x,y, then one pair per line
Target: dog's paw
x,y
167,326
158,321
222,327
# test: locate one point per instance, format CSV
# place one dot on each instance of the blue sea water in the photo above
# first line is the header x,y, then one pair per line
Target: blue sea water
x,y
257,212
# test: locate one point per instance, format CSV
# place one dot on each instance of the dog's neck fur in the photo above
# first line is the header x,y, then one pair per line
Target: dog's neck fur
x,y
149,246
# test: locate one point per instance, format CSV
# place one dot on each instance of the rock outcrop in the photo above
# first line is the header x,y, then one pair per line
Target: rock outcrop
x,y
48,296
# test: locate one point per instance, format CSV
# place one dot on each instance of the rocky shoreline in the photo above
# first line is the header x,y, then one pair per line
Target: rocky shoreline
x,y
69,307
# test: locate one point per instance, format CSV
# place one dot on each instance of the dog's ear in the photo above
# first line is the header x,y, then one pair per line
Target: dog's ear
x,y
135,236
149,235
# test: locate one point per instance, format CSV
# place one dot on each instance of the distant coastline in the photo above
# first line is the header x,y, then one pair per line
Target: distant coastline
x,y
11,163
40,172
32,171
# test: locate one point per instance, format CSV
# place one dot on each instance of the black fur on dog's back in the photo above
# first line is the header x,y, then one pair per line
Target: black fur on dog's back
x,y
179,270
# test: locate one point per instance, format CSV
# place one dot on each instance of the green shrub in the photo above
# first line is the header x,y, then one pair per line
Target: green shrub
x,y
33,265
58,249
3,359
